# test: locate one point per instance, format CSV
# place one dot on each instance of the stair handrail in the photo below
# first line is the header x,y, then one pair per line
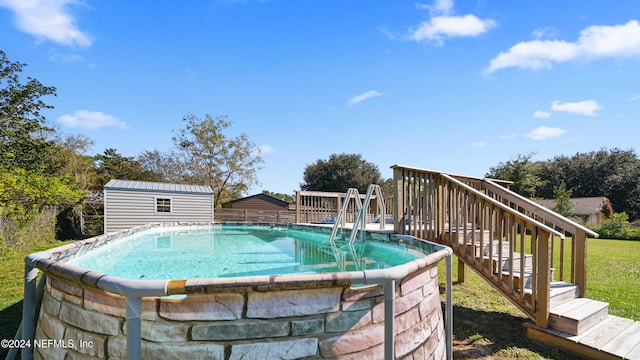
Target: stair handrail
x,y
502,206
537,209
540,279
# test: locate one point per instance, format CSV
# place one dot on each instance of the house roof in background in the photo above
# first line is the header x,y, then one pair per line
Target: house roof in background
x,y
264,196
157,186
581,205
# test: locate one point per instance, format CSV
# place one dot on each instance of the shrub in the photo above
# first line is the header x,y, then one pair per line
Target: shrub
x,y
18,235
617,227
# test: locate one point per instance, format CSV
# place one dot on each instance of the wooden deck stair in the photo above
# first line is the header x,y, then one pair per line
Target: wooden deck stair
x,y
532,255
580,325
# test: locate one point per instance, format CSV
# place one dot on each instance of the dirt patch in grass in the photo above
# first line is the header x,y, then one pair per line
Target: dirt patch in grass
x,y
482,334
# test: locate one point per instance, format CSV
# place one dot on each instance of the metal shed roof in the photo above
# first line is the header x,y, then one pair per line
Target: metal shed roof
x,y
156,186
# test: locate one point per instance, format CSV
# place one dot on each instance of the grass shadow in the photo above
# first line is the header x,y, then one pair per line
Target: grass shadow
x,y
496,335
10,318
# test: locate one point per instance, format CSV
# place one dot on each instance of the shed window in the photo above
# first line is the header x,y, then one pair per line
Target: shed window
x,y
163,205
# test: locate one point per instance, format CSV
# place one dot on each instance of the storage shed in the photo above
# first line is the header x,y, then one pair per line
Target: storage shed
x,y
130,203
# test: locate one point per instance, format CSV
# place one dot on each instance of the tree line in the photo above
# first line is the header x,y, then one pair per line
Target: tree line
x,y
610,173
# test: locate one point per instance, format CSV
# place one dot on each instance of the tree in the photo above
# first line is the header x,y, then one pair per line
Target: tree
x,y
562,197
339,173
521,171
209,157
23,193
112,165
284,197
161,166
24,139
78,165
614,174
32,175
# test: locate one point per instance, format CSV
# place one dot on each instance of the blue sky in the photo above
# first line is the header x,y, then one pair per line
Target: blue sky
x,y
455,86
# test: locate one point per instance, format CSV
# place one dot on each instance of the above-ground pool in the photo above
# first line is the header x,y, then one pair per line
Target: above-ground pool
x,y
233,251
238,292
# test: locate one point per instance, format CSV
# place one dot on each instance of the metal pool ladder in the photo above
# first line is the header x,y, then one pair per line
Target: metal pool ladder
x,y
360,222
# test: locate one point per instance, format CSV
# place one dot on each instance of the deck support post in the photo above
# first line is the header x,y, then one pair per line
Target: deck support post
x,y
543,283
298,207
462,271
398,202
580,261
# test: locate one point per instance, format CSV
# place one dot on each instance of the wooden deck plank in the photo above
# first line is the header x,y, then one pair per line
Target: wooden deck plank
x,y
625,341
601,334
565,341
585,310
562,309
613,338
634,353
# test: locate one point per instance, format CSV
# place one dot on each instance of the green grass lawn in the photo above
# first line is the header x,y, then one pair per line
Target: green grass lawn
x,y
613,275
486,324
11,283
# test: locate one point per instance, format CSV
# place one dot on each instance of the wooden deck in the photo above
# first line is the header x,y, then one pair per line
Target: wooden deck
x,y
613,338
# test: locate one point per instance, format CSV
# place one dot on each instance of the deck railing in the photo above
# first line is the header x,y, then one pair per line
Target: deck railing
x,y
320,206
573,258
509,240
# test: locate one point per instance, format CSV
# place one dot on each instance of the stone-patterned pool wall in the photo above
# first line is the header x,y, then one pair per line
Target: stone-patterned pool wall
x,y
288,320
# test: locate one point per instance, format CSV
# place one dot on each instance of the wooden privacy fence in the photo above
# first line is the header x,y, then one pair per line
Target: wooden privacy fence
x,y
515,244
251,215
320,206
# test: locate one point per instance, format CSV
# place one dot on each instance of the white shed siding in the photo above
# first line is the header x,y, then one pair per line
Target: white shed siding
x,y
128,207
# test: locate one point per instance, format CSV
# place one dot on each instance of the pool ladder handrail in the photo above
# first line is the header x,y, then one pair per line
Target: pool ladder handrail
x,y
340,221
360,222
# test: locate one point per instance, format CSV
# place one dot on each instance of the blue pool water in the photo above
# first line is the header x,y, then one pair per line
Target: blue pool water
x,y
208,252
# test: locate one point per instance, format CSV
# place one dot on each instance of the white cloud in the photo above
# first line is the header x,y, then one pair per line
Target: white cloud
x,y
66,58
362,97
542,114
386,32
90,120
266,149
439,7
48,20
508,136
442,24
546,32
587,107
544,132
479,144
593,42
635,97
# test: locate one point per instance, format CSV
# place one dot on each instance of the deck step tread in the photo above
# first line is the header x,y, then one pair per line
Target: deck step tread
x,y
516,273
578,308
578,315
599,335
561,292
558,287
614,337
